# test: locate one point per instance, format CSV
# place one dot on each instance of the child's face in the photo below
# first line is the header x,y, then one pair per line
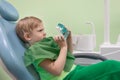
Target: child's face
x,y
38,34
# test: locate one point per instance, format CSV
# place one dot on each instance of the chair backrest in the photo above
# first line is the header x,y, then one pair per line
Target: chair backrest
x,y
11,48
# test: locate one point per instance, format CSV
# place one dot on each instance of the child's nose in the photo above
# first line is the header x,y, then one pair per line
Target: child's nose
x,y
44,34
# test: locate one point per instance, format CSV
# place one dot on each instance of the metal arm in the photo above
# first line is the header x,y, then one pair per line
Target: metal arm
x,y
90,56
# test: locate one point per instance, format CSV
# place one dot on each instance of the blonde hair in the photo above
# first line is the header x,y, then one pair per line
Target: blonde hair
x,y
26,25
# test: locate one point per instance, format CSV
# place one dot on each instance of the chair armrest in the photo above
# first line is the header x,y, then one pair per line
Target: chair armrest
x,y
90,56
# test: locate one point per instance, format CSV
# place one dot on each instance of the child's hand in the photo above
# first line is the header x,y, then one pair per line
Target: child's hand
x,y
59,39
69,41
69,36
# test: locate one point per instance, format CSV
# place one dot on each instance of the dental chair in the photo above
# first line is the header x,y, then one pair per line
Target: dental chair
x,y
12,49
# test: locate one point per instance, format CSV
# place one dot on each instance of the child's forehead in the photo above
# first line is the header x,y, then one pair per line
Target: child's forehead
x,y
40,26
37,25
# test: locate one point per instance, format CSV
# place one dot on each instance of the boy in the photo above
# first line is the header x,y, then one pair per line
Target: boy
x,y
52,57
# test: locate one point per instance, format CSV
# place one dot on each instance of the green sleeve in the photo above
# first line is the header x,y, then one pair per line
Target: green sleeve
x,y
46,49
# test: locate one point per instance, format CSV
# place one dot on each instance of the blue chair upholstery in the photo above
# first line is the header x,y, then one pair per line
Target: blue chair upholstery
x,y
11,48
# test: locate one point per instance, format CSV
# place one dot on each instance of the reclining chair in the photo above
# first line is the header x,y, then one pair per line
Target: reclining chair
x,y
12,49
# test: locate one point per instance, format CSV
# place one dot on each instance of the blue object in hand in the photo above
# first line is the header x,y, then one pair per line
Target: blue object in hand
x,y
63,30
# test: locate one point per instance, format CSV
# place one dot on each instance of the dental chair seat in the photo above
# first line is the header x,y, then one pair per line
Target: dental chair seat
x,y
12,49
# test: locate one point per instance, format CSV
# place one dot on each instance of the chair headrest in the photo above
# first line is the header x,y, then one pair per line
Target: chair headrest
x,y
7,11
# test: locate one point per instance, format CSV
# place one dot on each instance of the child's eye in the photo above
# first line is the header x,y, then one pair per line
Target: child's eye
x,y
41,30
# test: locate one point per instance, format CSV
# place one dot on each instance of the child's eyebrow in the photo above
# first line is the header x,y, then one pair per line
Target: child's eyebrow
x,y
40,29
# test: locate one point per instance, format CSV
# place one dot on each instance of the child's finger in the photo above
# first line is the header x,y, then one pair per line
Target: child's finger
x,y
60,37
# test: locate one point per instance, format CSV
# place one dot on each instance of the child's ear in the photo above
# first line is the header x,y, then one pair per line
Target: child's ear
x,y
27,36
